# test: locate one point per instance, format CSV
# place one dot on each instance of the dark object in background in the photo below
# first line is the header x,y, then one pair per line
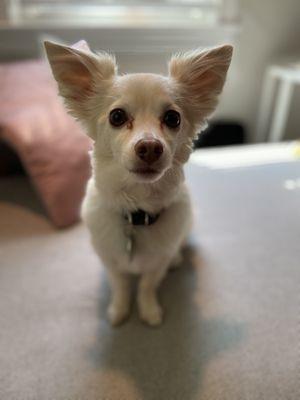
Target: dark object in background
x,y
221,133
10,163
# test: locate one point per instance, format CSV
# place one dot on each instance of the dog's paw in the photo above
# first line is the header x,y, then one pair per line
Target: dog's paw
x,y
117,314
151,313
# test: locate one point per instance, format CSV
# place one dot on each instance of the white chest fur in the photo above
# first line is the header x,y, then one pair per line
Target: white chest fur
x,y
111,233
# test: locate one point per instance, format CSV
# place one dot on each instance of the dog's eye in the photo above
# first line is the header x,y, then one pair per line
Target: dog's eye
x,y
172,119
118,117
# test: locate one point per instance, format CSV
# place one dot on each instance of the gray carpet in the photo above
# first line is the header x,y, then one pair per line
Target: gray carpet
x,y
232,323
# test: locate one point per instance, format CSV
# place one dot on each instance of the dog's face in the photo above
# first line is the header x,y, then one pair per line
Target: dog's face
x,y
144,123
141,125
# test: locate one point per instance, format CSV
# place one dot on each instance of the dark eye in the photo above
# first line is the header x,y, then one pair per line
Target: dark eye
x,y
118,117
171,119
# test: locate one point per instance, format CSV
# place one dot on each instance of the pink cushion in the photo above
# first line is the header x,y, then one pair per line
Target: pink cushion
x,y
51,145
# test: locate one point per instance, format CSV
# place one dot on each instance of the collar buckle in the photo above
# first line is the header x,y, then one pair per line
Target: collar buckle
x,y
141,217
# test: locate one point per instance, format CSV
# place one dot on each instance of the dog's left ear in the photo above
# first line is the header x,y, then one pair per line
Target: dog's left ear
x,y
199,77
80,74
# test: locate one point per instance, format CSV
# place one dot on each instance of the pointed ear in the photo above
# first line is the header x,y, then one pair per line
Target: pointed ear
x,y
81,45
199,77
80,74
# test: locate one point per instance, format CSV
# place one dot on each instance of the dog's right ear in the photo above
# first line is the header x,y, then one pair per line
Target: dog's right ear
x,y
80,74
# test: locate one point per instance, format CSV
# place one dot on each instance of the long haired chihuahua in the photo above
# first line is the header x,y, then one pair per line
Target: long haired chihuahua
x,y
137,206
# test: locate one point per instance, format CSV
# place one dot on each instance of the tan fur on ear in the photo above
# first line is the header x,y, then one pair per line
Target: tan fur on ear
x,y
199,77
80,74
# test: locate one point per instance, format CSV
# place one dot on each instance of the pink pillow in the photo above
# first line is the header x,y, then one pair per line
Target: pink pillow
x,y
51,145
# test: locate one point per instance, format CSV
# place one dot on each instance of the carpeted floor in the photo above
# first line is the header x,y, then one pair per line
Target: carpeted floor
x,y
232,323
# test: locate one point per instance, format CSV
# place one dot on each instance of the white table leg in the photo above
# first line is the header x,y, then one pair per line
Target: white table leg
x,y
281,111
268,90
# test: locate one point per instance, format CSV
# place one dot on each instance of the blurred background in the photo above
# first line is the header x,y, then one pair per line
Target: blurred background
x,y
144,33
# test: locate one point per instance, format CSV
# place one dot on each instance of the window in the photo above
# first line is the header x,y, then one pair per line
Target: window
x,y
126,13
121,26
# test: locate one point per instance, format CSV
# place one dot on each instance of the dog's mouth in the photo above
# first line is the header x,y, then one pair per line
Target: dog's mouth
x,y
145,173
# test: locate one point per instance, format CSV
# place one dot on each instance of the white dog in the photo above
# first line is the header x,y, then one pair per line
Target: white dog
x,y
137,206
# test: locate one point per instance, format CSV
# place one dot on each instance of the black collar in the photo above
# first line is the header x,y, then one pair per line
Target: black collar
x,y
141,217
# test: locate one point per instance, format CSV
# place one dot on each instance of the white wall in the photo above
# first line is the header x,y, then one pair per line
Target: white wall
x,y
270,30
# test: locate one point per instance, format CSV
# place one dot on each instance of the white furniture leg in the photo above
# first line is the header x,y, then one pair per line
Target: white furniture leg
x,y
265,109
281,110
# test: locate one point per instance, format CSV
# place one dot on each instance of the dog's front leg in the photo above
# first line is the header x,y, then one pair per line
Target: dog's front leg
x,y
150,310
119,307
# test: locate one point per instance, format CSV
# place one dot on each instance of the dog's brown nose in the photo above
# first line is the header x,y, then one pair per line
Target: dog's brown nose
x,y
149,150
